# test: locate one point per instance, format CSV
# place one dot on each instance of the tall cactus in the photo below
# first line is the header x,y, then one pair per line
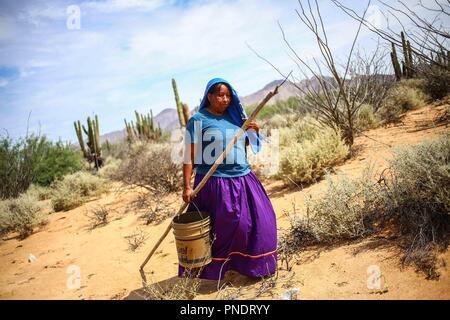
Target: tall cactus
x,y
407,56
182,108
130,131
93,153
395,64
144,129
410,59
186,113
79,133
178,104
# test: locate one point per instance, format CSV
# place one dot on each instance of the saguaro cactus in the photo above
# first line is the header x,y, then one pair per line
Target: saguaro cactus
x,y
407,57
144,129
93,152
182,108
395,64
79,133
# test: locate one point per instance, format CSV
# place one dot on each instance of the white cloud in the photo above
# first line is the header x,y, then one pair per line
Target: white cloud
x,y
121,5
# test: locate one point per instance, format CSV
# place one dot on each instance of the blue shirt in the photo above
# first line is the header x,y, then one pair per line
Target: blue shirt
x,y
213,133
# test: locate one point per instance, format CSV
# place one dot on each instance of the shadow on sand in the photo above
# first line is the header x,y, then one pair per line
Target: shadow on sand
x,y
206,287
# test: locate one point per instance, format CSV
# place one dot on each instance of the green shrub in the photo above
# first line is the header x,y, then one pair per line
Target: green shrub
x,y
21,215
303,129
366,118
33,159
403,96
59,160
437,82
307,161
76,188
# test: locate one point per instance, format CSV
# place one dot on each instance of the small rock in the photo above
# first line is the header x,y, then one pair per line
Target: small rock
x,y
290,294
31,258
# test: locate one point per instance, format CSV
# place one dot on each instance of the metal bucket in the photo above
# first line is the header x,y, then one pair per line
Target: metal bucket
x,y
192,238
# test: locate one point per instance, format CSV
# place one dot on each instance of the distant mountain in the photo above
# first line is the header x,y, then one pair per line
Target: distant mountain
x,y
168,118
286,91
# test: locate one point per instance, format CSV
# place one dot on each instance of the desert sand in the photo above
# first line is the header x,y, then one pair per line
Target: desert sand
x,y
109,270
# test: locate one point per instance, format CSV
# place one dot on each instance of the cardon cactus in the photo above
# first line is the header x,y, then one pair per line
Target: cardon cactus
x,y
144,129
182,108
93,152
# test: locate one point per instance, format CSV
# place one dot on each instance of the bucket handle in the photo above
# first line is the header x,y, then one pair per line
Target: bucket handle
x,y
201,216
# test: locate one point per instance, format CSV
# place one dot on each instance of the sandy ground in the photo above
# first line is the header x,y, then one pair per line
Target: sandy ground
x,y
73,261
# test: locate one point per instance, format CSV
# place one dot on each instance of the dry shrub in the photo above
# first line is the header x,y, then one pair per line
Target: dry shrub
x,y
308,160
98,217
136,239
150,166
346,210
366,118
183,288
300,130
74,189
280,121
405,95
418,200
39,192
156,209
21,215
109,168
412,198
437,82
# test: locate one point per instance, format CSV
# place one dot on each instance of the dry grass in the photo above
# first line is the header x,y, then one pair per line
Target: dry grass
x,y
184,288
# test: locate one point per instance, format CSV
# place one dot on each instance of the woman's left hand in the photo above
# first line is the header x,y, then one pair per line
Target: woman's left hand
x,y
253,125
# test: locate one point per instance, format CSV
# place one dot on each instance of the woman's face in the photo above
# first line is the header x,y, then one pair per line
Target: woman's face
x,y
220,100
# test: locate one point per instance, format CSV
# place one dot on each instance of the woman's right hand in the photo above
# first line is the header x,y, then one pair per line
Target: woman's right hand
x,y
187,194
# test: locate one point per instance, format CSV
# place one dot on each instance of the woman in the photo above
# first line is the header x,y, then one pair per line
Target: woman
x,y
242,217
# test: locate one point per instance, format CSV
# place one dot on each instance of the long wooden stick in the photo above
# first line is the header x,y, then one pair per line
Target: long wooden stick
x,y
212,169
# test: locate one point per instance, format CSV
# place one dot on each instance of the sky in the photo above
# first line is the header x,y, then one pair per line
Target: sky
x,y
62,61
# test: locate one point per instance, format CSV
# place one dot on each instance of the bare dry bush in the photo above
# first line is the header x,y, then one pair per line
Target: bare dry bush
x,y
98,217
150,166
184,288
412,198
418,200
136,239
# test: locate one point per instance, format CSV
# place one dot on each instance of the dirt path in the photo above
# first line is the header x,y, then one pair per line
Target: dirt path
x,y
109,270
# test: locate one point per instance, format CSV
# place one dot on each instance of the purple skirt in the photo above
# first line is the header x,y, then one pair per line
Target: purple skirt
x,y
243,225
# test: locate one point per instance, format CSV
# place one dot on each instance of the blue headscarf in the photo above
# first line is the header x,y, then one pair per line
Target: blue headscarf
x,y
236,113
